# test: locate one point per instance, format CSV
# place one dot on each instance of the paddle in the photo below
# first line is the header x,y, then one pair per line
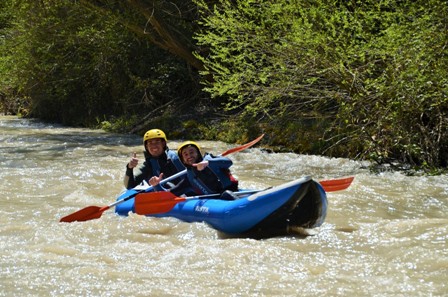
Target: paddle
x,y
95,212
333,185
161,202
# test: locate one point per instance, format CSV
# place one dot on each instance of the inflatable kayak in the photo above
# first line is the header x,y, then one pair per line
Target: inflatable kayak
x,y
297,204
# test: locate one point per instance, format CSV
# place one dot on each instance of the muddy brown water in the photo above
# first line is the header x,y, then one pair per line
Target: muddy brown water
x,y
387,235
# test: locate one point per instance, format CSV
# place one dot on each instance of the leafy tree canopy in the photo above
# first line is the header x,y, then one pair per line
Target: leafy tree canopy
x,y
375,72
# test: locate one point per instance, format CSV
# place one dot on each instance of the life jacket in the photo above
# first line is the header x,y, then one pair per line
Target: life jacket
x,y
228,181
233,182
168,163
204,181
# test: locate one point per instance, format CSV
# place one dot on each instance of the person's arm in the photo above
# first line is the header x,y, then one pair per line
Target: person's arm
x,y
128,177
217,163
155,183
136,176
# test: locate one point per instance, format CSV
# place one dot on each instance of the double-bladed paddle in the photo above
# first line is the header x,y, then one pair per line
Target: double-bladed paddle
x,y
164,201
95,212
161,202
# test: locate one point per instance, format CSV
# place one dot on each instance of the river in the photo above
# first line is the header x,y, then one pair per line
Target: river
x,y
386,235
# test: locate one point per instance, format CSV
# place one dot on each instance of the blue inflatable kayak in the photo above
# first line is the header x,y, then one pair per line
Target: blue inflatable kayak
x,y
297,204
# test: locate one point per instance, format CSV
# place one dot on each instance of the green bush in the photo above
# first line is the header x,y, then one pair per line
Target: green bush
x,y
376,72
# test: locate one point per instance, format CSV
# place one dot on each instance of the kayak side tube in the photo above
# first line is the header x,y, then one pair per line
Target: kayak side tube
x,y
307,208
272,208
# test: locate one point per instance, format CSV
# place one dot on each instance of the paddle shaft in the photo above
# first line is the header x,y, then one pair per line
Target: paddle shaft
x,y
155,196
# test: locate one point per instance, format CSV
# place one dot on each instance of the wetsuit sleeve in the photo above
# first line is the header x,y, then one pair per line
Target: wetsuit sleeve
x,y
218,163
128,177
132,180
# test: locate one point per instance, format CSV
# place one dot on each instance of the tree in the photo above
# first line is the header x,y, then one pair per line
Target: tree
x,y
372,74
166,24
81,66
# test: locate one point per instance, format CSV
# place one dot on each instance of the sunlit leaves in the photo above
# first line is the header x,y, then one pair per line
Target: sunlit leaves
x,y
378,68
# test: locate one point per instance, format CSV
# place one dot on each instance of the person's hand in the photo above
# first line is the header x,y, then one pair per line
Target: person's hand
x,y
201,165
155,180
133,162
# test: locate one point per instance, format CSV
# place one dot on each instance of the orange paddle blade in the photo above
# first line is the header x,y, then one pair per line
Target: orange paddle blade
x,y
85,214
156,202
242,147
333,185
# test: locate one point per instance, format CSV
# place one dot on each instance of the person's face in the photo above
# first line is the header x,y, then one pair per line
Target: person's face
x,y
155,146
189,155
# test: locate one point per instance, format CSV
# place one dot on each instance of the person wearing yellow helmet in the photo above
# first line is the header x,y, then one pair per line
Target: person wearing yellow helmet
x,y
159,159
205,175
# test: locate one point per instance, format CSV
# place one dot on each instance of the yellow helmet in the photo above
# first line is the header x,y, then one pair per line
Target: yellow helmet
x,y
186,144
154,133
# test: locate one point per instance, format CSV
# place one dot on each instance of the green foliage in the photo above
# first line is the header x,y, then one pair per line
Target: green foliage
x,y
360,79
399,111
262,57
75,64
374,71
6,62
